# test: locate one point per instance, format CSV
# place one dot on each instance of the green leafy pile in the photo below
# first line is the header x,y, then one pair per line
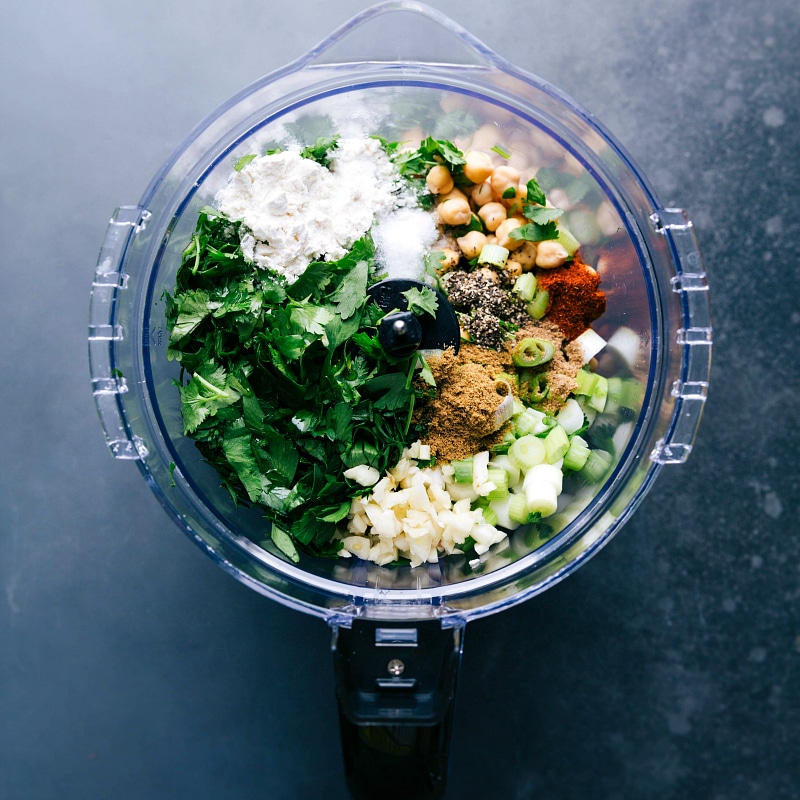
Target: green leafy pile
x,y
286,386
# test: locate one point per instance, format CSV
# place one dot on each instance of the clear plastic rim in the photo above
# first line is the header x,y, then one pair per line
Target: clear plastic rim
x,y
472,586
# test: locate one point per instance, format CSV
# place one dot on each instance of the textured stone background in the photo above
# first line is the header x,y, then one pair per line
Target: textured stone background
x,y
131,667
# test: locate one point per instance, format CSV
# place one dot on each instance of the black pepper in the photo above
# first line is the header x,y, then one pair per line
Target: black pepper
x,y
483,305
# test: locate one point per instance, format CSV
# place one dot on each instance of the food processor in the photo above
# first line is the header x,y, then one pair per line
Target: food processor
x,y
397,631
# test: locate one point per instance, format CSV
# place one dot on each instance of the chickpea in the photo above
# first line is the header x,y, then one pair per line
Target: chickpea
x,y
503,179
513,269
526,256
550,254
492,215
471,244
439,180
450,260
489,274
503,234
453,193
482,194
478,166
455,211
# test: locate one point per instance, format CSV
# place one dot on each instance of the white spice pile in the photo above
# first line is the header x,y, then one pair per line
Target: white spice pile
x,y
297,211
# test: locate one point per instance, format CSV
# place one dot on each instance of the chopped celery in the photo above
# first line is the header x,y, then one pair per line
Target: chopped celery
x,y
499,477
587,382
462,471
525,286
598,398
494,255
577,455
489,515
567,240
527,452
626,392
528,421
504,462
596,466
537,308
518,508
556,444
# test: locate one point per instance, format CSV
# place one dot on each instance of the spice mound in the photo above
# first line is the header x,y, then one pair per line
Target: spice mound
x,y
462,419
575,297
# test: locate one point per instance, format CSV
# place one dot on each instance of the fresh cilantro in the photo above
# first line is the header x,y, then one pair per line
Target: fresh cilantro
x,y
501,151
286,385
533,232
244,161
205,394
321,150
535,193
421,301
541,215
284,543
352,291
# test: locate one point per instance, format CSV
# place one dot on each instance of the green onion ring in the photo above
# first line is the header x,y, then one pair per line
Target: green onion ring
x,y
532,352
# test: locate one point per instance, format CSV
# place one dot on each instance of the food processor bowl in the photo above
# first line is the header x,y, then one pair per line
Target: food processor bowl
x,y
374,76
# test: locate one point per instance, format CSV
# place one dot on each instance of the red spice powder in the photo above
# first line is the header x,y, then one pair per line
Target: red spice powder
x,y
575,299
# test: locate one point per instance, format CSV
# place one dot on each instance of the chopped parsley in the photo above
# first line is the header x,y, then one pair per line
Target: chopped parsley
x,y
285,386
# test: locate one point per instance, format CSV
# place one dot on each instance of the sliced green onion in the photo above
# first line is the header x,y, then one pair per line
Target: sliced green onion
x,y
489,515
537,308
499,477
527,422
577,454
518,508
462,471
525,286
541,497
587,381
596,466
556,444
504,462
527,452
567,240
533,352
598,398
502,447
571,417
494,255
626,392
537,388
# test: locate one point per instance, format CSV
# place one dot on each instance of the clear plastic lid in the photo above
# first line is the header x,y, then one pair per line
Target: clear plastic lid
x,y
657,320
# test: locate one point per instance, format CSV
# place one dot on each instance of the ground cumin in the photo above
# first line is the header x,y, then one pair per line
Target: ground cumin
x,y
460,419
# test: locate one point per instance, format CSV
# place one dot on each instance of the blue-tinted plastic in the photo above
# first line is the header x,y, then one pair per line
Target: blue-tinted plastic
x,y
650,267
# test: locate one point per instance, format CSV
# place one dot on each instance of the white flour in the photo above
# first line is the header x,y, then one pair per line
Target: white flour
x,y
298,211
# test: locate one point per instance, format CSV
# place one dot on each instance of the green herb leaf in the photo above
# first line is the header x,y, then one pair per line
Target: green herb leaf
x,y
421,301
532,232
352,291
244,161
535,193
541,215
321,150
284,543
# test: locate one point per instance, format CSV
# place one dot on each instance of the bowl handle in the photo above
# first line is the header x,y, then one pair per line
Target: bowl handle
x,y
694,338
105,332
395,688
401,31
